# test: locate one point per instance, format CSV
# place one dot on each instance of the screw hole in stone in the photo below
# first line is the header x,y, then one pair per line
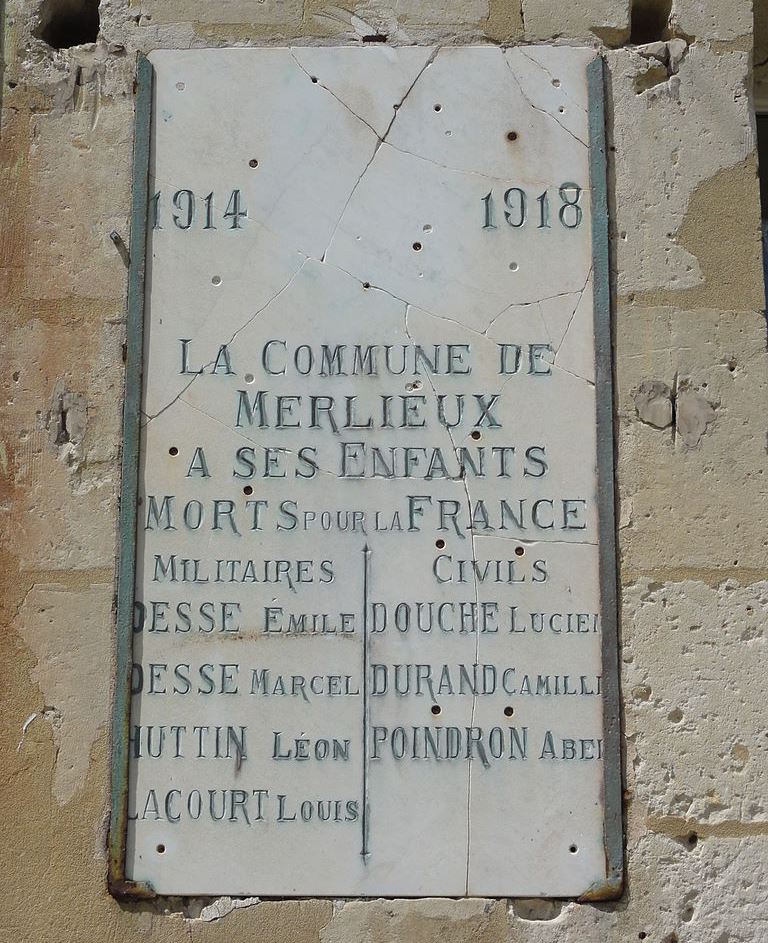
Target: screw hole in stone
x,y
511,135
519,551
556,83
161,849
475,434
253,162
173,450
573,849
509,711
436,709
249,378
440,543
314,79
216,280
438,107
417,247
247,489
427,227
366,284
513,266
180,86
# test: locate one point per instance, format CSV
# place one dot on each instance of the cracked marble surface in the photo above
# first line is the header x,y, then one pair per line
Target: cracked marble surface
x,y
403,198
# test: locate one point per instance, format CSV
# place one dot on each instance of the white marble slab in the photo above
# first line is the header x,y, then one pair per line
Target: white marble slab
x,y
439,733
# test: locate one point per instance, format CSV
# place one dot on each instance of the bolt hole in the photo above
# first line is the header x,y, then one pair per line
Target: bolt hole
x,y
436,709
417,247
511,135
440,543
519,551
438,107
161,849
173,450
561,109
573,849
513,266
556,83
249,378
366,284
314,79
253,162
247,490
427,228
509,711
180,86
475,434
216,280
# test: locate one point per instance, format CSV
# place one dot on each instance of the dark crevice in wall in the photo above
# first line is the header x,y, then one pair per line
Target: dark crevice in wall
x,y
66,23
650,21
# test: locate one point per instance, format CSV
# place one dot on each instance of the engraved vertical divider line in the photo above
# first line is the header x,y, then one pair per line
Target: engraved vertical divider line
x,y
365,816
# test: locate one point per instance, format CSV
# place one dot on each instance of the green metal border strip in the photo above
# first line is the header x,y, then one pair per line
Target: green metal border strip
x,y
118,884
613,835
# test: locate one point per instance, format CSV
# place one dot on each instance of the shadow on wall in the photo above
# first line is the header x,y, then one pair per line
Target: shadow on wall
x,y
65,23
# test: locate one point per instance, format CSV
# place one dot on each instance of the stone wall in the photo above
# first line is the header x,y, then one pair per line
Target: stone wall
x,y
692,375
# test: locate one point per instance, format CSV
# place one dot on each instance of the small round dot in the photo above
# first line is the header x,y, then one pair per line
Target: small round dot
x,y
475,434
417,247
513,266
440,543
180,86
436,709
161,849
253,162
448,133
173,450
561,109
573,849
249,378
556,83
427,228
314,79
519,551
247,490
366,284
438,107
509,711
216,280
511,135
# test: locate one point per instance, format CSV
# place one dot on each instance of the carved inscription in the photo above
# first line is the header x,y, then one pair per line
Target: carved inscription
x,y
367,623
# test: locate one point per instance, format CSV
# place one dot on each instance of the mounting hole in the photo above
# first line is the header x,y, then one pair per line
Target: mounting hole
x,y
161,849
436,709
556,83
519,551
173,450
247,490
513,266
427,228
253,162
509,711
366,284
440,543
314,79
180,86
573,849
417,247
438,107
216,280
475,434
249,378
511,135
561,109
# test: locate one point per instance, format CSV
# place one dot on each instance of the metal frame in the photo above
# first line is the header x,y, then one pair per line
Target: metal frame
x,y
613,835
121,717
612,886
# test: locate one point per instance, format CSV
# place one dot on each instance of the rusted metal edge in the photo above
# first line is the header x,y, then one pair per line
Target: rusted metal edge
x,y
118,884
613,835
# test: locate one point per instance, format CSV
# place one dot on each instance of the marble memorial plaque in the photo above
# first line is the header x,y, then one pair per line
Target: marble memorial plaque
x,y
373,626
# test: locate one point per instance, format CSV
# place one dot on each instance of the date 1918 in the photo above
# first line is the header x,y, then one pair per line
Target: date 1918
x,y
567,212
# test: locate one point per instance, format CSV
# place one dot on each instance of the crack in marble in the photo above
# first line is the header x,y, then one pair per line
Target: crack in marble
x,y
542,110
